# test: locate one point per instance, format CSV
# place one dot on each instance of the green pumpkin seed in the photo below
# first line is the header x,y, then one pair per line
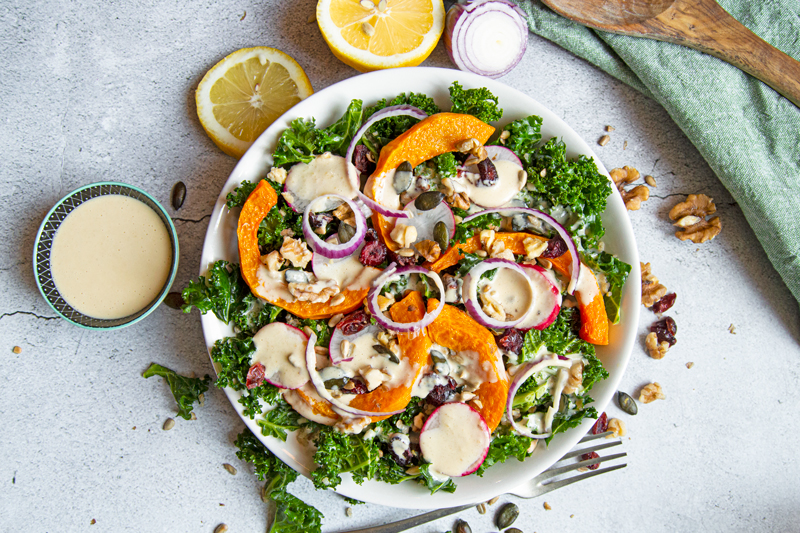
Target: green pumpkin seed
x,y
403,177
178,195
174,300
626,403
441,235
513,530
383,350
336,382
428,200
346,232
462,527
507,515
438,357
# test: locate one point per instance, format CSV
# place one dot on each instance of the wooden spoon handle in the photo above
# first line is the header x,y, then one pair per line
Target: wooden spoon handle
x,y
705,26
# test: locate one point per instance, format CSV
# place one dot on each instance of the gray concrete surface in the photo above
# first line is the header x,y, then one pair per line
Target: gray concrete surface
x,y
105,90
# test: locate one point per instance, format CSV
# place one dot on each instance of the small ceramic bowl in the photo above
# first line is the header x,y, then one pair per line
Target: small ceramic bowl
x,y
44,242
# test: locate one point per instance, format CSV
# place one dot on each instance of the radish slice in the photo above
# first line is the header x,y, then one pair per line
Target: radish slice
x,y
326,174
424,221
563,233
520,377
334,251
455,440
472,300
335,345
281,349
487,37
319,385
389,274
386,112
501,153
547,299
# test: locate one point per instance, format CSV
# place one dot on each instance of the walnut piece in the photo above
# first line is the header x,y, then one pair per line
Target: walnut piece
x,y
317,292
486,237
534,247
575,379
624,175
475,149
428,249
690,216
634,197
657,350
652,290
345,214
490,305
617,428
296,251
650,393
459,200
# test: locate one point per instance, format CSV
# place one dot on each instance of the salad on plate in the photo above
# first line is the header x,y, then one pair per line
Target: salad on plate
x,y
419,293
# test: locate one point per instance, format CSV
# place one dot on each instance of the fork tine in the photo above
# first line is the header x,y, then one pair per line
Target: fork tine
x,y
594,448
553,472
564,482
590,437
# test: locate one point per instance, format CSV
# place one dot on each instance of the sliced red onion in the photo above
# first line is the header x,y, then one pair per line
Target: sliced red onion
x,y
501,153
548,299
335,251
386,112
487,37
520,377
386,322
335,345
319,385
470,288
385,211
563,233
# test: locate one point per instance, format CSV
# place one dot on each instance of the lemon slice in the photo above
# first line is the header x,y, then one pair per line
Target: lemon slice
x,y
370,35
245,92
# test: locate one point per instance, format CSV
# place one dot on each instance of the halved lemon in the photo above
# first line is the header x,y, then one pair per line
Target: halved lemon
x,y
375,34
245,92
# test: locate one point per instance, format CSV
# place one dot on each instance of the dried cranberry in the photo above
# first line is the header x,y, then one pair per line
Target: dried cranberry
x,y
601,426
488,173
354,322
373,253
405,458
556,247
593,455
442,393
255,376
361,161
665,329
319,220
510,341
402,260
664,303
371,235
355,386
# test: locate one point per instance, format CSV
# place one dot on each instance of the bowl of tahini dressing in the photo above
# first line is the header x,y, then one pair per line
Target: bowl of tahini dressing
x,y
106,255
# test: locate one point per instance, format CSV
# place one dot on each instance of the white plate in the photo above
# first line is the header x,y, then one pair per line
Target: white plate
x,y
327,106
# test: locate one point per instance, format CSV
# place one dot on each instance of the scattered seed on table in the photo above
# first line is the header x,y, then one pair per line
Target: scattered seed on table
x,y
93,522
625,145
230,468
603,140
462,527
626,403
168,424
507,515
192,416
312,18
493,500
650,180
201,399
689,364
349,512
481,508
547,506
610,128
178,195
17,349
243,16
222,528
513,530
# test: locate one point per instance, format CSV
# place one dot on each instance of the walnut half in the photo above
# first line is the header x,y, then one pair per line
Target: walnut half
x,y
690,217
634,197
652,290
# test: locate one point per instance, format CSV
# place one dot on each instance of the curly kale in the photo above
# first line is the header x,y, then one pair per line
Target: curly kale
x,y
435,484
233,356
223,292
388,128
446,165
466,230
186,391
480,102
297,144
524,135
238,196
616,273
281,217
279,420
338,453
504,447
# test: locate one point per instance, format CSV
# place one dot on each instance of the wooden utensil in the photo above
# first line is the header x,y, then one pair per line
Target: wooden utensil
x,y
699,24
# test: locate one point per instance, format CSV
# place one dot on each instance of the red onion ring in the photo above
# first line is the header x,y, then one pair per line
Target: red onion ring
x,y
386,112
471,295
385,211
319,385
520,377
386,322
326,249
562,232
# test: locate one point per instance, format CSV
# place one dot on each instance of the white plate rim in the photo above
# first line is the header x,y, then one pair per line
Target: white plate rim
x,y
326,106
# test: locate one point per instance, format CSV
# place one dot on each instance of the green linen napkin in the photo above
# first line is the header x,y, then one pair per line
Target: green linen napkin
x,y
747,132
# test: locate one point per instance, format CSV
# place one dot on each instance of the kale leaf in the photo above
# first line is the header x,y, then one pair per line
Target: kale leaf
x,y
465,264
435,485
238,196
465,230
503,447
336,137
254,314
524,135
446,165
338,453
616,272
223,292
296,144
279,420
560,337
251,398
480,102
281,217
388,128
319,327
233,356
185,390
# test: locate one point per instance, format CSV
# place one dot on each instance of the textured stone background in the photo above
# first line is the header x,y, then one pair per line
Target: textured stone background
x,y
105,90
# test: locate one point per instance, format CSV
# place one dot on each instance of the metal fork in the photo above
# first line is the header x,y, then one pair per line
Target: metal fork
x,y
541,484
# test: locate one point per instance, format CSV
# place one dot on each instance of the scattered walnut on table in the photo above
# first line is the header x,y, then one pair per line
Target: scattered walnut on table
x,y
652,290
634,197
690,217
617,428
657,350
650,393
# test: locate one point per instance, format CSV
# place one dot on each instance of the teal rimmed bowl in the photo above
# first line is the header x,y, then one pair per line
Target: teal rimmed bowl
x,y
44,243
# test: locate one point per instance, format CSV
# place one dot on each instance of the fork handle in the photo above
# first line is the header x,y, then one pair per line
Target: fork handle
x,y
414,521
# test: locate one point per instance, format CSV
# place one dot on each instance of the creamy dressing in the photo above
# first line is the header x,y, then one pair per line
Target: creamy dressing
x,y
546,302
376,369
326,174
454,440
281,349
111,257
348,272
305,409
511,180
511,290
587,284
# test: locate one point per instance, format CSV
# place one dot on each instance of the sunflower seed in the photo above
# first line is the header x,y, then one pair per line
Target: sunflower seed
x,y
428,200
168,424
493,500
610,128
174,300
650,180
349,511
222,528
481,507
230,468
626,403
178,195
603,140
507,515
462,527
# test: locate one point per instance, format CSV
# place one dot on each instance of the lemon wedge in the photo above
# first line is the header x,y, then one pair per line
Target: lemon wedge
x,y
245,92
370,35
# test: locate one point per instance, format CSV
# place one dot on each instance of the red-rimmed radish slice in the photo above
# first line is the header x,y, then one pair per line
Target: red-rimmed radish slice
x,y
327,249
424,221
563,233
472,299
281,349
326,174
390,273
386,112
522,375
501,153
319,385
335,345
455,440
547,299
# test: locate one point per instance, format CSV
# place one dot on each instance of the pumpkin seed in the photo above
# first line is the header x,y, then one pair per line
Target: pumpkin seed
x,y
383,350
403,177
626,403
178,195
346,232
462,527
428,200
174,300
507,515
513,530
336,382
441,235
230,468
